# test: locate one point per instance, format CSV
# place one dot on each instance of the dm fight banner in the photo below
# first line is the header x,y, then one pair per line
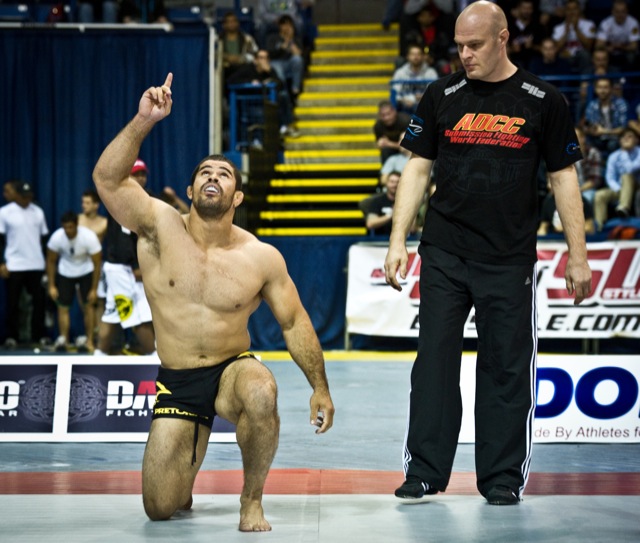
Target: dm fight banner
x,y
580,399
612,310
77,399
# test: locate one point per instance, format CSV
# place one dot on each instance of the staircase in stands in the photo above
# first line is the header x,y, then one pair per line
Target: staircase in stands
x,y
334,163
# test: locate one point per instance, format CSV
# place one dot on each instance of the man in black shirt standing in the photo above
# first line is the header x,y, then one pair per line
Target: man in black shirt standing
x,y
488,126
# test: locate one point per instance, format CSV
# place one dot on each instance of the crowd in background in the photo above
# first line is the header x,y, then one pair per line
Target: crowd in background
x,y
595,43
590,49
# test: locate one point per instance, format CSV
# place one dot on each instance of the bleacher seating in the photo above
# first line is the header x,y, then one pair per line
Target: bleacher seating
x,y
14,13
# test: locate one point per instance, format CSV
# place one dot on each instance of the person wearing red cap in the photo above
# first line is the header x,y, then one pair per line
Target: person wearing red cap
x,y
204,277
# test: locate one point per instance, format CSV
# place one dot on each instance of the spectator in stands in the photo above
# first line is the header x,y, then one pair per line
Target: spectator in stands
x,y
427,30
238,48
395,163
285,52
417,72
551,14
143,11
525,33
621,177
605,117
550,222
378,209
548,62
634,124
261,72
23,233
574,37
269,14
589,169
388,128
74,256
619,34
91,11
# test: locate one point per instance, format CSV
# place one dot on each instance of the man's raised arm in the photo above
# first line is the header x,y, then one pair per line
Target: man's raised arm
x,y
125,199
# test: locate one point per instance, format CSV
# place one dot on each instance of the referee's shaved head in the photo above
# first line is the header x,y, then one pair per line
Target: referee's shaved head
x,y
484,12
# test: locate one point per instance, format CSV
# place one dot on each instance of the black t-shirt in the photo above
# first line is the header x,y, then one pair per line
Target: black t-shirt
x,y
394,130
549,212
121,244
488,139
381,205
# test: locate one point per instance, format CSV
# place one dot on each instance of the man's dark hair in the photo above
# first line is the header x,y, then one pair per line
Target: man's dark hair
x,y
69,216
221,158
92,194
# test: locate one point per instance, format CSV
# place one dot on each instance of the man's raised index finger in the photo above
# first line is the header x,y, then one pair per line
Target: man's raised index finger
x,y
169,80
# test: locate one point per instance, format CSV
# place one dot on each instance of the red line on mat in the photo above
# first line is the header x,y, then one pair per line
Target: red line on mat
x,y
310,482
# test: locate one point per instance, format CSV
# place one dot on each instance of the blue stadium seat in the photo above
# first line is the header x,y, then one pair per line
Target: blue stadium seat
x,y
185,15
14,13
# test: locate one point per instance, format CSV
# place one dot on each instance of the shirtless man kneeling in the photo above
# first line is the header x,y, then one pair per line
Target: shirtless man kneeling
x,y
204,277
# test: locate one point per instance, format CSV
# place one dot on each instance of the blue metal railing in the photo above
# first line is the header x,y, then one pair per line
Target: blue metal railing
x,y
246,109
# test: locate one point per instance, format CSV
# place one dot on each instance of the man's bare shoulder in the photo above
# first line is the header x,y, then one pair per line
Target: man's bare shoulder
x,y
261,250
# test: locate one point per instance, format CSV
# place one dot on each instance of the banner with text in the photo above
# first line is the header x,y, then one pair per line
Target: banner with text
x,y
77,399
612,310
580,399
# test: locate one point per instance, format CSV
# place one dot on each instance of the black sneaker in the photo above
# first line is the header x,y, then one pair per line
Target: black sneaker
x,y
502,495
414,489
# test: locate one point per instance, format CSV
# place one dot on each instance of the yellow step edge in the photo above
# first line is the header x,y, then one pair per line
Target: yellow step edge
x,y
316,81
337,110
338,123
315,198
336,68
339,40
344,95
355,53
315,183
327,231
292,215
365,27
334,138
327,153
360,166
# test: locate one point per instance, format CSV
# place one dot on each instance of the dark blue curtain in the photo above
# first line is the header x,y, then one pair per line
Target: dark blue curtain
x,y
65,94
317,266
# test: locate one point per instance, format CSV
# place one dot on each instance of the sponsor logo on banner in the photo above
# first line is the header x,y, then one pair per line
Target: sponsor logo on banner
x,y
27,398
613,308
116,398
592,399
111,398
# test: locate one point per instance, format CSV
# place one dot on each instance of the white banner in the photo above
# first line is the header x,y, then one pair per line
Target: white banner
x,y
581,399
612,310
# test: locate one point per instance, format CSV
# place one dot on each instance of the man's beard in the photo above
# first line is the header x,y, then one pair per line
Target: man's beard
x,y
212,209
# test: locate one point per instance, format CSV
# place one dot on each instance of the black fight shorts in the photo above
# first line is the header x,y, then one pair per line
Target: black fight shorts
x,y
191,394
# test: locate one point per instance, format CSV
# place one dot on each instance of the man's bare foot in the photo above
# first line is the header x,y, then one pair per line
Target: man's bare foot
x,y
252,518
187,505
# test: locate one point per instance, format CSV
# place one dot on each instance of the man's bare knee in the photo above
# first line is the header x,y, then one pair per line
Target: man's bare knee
x,y
259,397
158,509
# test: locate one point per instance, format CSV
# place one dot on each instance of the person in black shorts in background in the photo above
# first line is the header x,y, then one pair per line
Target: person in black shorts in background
x,y
488,126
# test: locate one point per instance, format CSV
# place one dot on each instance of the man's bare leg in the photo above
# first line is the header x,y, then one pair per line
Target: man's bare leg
x,y
248,397
167,472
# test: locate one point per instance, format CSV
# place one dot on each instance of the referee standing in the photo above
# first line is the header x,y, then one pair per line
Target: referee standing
x,y
488,126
